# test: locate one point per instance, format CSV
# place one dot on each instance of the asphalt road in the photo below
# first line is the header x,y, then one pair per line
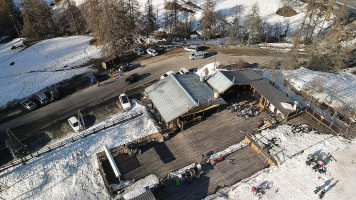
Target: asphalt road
x,y
151,69
350,3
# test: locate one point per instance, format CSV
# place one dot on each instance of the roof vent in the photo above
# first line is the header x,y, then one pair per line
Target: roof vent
x,y
216,95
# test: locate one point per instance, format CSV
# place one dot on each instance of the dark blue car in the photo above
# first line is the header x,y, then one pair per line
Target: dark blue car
x,y
92,79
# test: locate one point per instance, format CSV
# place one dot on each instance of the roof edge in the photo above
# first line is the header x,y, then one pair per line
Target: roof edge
x,y
185,91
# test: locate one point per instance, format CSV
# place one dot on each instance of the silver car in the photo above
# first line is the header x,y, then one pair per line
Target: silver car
x,y
28,104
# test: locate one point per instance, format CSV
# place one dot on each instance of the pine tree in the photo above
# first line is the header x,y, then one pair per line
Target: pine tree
x,y
108,20
9,18
70,19
37,17
149,18
253,25
208,19
235,32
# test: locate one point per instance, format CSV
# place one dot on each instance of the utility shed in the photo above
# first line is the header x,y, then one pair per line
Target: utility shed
x,y
181,95
270,97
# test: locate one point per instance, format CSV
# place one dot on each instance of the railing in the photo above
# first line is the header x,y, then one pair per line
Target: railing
x,y
337,129
78,136
264,155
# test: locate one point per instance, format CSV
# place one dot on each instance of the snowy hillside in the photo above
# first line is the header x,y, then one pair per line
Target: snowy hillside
x,y
41,65
293,179
268,9
338,89
72,172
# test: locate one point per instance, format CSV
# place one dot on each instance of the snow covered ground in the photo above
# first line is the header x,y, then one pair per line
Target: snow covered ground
x,y
293,179
268,9
41,65
140,186
282,47
72,172
338,89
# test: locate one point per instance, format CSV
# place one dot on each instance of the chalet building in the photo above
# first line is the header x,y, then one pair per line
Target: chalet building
x,y
180,98
228,83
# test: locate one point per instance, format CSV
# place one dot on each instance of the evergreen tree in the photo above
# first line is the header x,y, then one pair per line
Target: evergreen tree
x,y
10,18
208,19
108,20
149,20
70,19
38,23
253,25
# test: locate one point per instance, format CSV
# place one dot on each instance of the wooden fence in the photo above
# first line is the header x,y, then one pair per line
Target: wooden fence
x,y
336,129
78,136
265,156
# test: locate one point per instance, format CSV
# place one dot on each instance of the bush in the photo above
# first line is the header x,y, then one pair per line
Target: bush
x,y
29,42
238,65
93,41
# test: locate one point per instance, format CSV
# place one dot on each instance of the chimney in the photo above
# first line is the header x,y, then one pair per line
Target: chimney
x,y
295,105
216,95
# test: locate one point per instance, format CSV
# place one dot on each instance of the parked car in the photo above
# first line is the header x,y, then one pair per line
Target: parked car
x,y
92,79
133,78
191,48
125,102
42,98
124,67
54,94
74,123
139,51
197,55
183,71
193,70
167,74
152,52
28,104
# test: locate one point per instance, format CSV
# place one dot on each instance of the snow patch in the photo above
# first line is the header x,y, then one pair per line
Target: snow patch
x,y
140,186
287,105
180,171
212,68
228,150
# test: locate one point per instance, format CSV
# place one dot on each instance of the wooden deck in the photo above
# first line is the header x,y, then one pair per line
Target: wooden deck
x,y
214,134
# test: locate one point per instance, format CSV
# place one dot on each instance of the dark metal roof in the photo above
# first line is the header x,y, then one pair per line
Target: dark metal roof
x,y
177,93
223,80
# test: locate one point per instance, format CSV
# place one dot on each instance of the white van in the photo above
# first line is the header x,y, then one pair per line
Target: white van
x,y
197,55
191,48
